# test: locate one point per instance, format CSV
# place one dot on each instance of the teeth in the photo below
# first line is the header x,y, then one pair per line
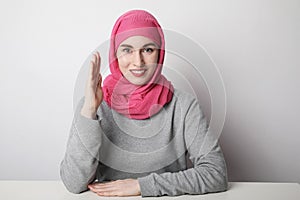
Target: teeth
x,y
138,71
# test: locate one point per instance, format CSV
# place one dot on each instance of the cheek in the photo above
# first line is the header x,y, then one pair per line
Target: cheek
x,y
153,69
154,58
123,64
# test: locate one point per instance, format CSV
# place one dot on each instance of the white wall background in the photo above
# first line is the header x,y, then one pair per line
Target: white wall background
x,y
255,44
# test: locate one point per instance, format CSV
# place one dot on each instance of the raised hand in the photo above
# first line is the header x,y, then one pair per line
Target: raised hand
x,y
126,187
93,90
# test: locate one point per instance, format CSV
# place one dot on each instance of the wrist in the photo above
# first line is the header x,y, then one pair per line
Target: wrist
x,y
88,113
138,186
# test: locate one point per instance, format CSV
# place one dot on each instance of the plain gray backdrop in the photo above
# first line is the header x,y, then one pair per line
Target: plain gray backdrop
x,y
255,45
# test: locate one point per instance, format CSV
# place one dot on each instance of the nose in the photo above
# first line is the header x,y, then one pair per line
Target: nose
x,y
138,59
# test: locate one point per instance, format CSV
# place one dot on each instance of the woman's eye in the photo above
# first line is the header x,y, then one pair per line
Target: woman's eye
x,y
148,50
126,50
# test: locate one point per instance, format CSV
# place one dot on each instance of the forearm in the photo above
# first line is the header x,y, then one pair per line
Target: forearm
x,y
78,168
87,112
209,175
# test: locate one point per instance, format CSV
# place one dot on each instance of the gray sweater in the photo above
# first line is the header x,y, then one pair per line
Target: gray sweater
x,y
162,152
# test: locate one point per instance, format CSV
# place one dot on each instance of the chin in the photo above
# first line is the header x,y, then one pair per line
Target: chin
x,y
138,84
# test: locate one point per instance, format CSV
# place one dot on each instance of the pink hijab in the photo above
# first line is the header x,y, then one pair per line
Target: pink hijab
x,y
133,101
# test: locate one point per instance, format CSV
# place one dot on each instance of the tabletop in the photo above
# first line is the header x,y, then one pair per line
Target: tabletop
x,y
55,190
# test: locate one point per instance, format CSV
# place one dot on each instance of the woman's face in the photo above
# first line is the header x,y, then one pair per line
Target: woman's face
x,y
137,58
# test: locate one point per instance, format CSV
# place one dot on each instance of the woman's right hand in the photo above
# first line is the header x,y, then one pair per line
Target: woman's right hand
x,y
93,89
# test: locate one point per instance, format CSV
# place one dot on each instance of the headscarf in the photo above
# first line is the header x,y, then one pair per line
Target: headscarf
x,y
136,101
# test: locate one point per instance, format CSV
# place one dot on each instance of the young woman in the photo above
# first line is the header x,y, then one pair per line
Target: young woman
x,y
136,134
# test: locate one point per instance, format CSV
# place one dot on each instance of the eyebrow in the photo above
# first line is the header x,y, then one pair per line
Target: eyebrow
x,y
145,45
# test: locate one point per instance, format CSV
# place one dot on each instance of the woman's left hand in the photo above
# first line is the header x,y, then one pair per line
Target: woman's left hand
x,y
126,187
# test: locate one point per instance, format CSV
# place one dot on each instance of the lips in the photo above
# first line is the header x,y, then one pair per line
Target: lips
x,y
138,72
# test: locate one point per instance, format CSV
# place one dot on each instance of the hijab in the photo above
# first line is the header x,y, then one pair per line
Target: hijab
x,y
136,101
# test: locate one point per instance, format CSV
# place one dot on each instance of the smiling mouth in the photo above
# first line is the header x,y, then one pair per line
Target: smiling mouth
x,y
138,72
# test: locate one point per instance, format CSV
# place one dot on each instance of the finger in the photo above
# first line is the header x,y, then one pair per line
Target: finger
x,y
91,71
99,186
105,183
92,68
100,81
93,58
95,184
104,190
97,57
92,189
95,66
107,194
111,183
107,189
98,62
101,189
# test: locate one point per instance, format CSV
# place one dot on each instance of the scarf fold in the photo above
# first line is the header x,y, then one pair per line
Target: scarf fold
x,y
133,101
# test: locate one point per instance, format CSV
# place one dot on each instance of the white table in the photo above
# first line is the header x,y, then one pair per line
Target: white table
x,y
54,190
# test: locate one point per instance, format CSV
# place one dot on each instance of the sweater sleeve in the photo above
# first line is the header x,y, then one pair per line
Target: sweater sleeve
x,y
208,174
80,162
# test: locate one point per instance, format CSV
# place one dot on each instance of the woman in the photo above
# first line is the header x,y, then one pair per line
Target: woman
x,y
136,134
